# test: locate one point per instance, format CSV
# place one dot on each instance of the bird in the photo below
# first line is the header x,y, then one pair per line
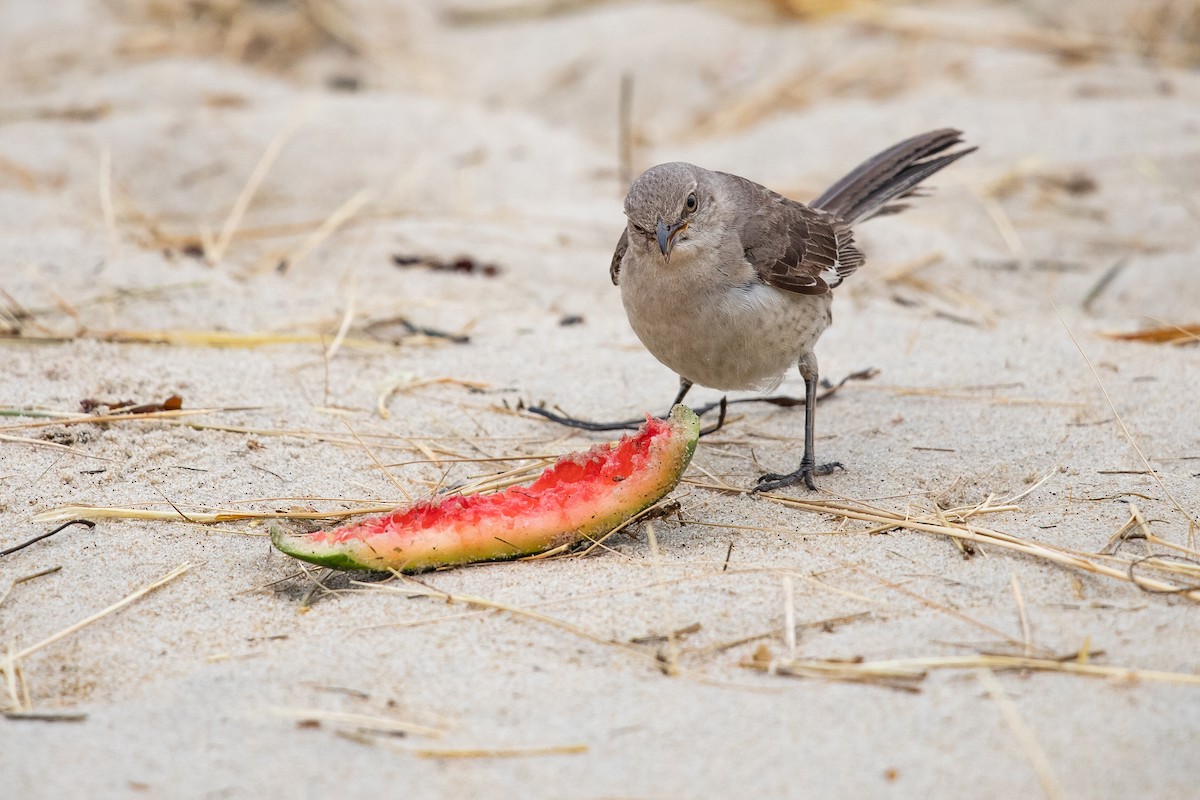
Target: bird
x,y
730,284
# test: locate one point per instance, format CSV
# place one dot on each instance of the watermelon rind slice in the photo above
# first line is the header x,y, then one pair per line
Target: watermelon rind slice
x,y
583,495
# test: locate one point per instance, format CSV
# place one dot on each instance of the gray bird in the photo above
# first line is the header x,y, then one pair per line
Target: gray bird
x,y
729,284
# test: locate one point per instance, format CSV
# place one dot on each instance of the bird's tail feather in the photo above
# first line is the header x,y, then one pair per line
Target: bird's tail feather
x,y
868,190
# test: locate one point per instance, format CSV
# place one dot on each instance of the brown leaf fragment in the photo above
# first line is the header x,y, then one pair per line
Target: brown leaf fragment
x,y
1166,334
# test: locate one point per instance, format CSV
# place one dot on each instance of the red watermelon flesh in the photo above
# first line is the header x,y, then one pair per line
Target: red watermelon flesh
x,y
582,495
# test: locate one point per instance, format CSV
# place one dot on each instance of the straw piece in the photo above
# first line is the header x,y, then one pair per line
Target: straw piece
x,y
505,752
1025,736
915,669
117,606
242,204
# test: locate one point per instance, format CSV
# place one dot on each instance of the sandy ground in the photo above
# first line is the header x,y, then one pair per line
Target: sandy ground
x,y
129,130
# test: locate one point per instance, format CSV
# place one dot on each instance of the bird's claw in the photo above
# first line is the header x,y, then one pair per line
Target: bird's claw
x,y
776,480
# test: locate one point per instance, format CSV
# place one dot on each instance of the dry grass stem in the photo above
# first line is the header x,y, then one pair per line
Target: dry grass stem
x,y
1025,736
939,607
98,418
500,480
1192,524
625,132
651,511
1007,230
949,302
242,203
443,460
1022,615
52,446
407,383
1065,44
209,516
25,578
413,588
958,527
69,512
950,394
201,338
913,670
505,752
335,220
789,616
375,459
117,606
18,699
517,10
576,598
670,659
106,203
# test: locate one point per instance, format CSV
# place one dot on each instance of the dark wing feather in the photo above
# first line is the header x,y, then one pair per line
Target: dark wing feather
x,y
794,247
614,269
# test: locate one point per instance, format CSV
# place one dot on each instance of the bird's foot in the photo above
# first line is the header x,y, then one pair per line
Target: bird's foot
x,y
775,480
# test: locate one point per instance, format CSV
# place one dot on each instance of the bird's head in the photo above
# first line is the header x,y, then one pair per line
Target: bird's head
x,y
669,205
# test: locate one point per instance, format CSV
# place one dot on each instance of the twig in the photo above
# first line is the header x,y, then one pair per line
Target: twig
x,y
47,535
1103,283
45,716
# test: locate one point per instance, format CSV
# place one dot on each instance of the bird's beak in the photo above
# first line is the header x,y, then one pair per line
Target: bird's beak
x,y
666,236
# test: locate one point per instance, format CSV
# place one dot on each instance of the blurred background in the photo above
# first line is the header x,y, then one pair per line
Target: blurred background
x,y
239,140
302,220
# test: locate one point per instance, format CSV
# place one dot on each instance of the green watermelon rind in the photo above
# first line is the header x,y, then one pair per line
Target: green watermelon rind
x,y
445,544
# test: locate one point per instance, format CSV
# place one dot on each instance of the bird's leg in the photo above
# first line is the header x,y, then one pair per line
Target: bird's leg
x,y
721,404
808,464
632,424
685,386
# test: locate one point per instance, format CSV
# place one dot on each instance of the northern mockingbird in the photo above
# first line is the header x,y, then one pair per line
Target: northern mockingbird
x,y
729,284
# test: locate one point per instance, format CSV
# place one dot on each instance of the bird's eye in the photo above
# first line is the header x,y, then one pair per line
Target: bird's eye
x,y
690,203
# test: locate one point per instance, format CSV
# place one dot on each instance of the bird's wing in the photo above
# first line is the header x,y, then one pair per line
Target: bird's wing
x,y
614,269
794,247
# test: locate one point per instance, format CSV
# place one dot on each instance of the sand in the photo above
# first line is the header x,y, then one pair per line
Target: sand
x,y
487,131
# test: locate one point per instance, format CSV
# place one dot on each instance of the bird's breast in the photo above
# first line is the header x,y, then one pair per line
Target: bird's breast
x,y
715,330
